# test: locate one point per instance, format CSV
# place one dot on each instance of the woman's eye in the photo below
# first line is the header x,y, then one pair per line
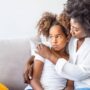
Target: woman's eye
x,y
76,30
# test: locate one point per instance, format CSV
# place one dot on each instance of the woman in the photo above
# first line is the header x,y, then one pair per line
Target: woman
x,y
78,69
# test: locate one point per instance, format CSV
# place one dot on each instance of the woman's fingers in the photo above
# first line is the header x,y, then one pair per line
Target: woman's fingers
x,y
39,49
40,46
43,50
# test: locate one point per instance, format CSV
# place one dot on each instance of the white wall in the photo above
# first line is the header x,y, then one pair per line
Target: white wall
x,y
18,18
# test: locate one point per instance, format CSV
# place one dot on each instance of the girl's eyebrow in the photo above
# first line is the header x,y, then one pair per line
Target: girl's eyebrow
x,y
56,34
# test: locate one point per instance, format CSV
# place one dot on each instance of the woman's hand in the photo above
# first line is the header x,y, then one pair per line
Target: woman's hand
x,y
28,70
43,51
46,52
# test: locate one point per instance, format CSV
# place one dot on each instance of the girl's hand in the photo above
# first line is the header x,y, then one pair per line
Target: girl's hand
x,y
69,88
28,70
69,85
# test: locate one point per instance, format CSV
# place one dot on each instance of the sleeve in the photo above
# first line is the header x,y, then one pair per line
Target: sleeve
x,y
33,43
71,71
40,58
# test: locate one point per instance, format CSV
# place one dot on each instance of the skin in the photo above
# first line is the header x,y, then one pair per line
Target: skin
x,y
37,71
58,39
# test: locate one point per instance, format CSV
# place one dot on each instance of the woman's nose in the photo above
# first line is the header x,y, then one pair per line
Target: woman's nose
x,y
72,31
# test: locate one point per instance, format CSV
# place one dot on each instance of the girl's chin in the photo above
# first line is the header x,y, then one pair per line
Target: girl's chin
x,y
56,49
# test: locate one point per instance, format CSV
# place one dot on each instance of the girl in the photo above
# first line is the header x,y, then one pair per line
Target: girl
x,y
78,69
44,73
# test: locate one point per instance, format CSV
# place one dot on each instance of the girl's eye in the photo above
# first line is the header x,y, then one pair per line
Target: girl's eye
x,y
59,36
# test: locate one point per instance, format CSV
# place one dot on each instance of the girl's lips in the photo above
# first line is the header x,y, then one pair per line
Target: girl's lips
x,y
55,46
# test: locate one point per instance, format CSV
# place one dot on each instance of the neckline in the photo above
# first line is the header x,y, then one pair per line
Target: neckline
x,y
80,48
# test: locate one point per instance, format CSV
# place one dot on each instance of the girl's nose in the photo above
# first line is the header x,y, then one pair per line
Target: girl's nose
x,y
54,40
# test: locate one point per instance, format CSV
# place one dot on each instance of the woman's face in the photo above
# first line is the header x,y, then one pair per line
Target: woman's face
x,y
58,39
76,29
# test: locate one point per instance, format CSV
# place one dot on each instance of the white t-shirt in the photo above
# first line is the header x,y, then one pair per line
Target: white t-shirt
x,y
50,80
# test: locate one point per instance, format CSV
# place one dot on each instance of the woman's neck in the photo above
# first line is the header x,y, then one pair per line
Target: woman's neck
x,y
80,42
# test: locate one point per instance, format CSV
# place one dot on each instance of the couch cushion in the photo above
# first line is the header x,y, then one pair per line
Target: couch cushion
x,y
13,55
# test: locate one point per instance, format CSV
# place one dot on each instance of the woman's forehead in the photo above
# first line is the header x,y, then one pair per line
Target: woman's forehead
x,y
74,23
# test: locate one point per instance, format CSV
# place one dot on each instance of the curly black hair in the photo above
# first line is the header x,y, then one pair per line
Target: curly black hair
x,y
80,11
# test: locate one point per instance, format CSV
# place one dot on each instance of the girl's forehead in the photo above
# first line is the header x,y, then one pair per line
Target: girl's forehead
x,y
55,28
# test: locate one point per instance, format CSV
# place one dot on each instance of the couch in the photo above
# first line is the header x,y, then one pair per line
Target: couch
x,y
13,55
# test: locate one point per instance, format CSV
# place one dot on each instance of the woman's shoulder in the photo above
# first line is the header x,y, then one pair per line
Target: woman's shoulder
x,y
72,39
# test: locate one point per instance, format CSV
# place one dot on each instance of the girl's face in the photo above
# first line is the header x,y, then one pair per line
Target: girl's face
x,y
58,39
76,30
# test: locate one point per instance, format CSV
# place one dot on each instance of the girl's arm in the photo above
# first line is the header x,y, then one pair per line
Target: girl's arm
x,y
37,71
69,85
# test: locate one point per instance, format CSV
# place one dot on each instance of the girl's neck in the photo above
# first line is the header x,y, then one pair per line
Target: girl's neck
x,y
61,53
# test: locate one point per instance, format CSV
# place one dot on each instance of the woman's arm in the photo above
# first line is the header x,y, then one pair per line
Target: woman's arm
x,y
37,71
72,71
64,68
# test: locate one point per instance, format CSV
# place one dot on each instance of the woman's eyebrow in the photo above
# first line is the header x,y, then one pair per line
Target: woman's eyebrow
x,y
74,27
